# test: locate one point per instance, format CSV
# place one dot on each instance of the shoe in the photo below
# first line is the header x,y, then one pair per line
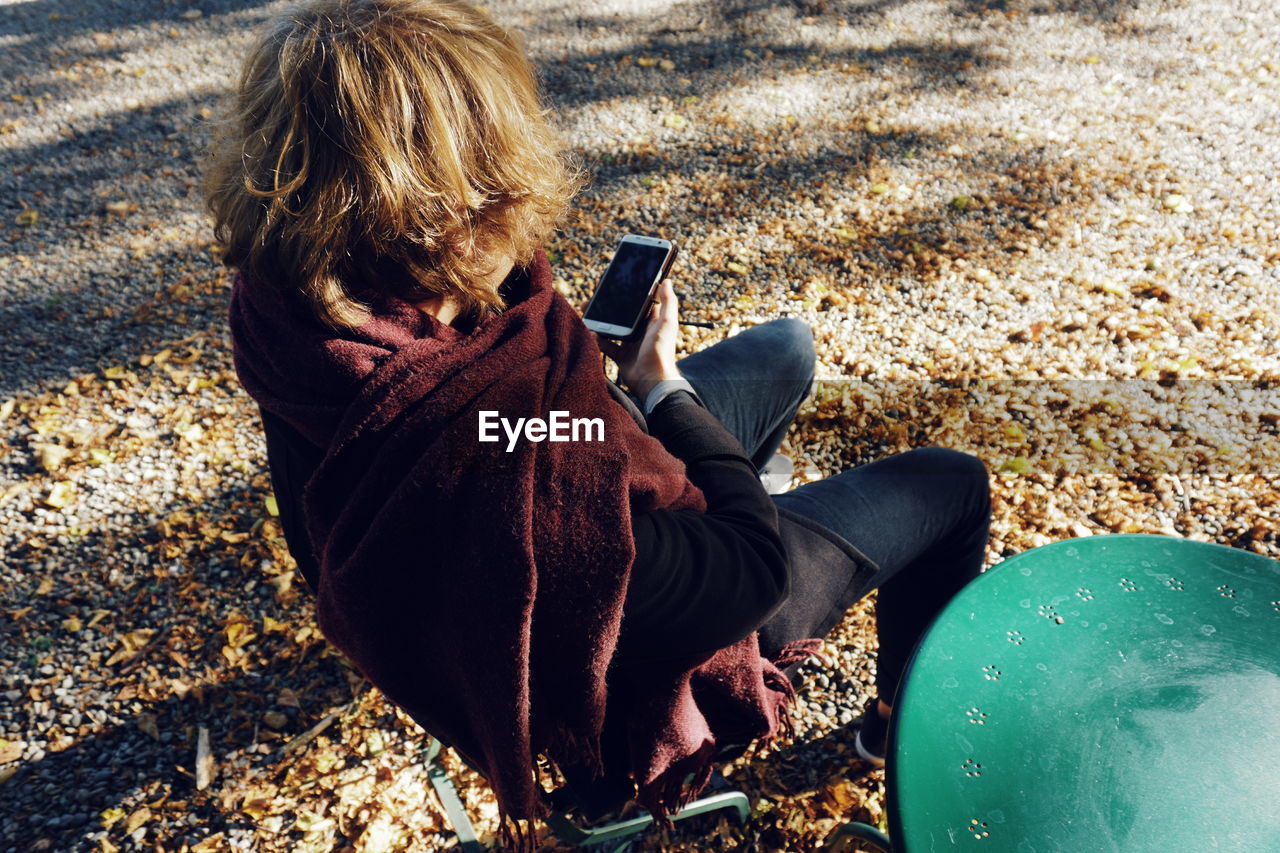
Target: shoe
x,y
873,735
776,474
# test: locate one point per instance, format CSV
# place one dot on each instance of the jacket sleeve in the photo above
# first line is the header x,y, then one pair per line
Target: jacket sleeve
x,y
703,581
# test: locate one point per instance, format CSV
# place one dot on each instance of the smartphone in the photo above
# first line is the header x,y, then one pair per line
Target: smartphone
x,y
620,307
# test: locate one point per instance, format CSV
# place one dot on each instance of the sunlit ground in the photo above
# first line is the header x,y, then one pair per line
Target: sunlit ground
x,y
984,209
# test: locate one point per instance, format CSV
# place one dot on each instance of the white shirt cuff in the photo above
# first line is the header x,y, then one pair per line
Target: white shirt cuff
x,y
664,389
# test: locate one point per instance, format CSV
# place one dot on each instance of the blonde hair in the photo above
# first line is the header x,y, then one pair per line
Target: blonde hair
x,y
385,145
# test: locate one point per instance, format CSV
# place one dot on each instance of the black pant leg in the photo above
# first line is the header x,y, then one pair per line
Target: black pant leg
x,y
755,382
923,517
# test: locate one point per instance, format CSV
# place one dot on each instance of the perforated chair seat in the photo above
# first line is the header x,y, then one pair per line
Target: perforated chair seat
x,y
1108,693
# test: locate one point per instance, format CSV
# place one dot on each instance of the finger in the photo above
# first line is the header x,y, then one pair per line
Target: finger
x,y
609,347
669,302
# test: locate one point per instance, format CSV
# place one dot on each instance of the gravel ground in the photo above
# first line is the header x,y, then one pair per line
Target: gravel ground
x,y
1044,232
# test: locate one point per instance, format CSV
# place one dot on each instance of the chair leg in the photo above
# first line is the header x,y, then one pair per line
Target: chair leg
x,y
860,832
455,813
569,833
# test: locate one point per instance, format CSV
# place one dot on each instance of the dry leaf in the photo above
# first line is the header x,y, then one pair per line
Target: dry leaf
x,y
137,819
309,822
147,722
257,808
111,816
51,456
135,640
213,843
240,634
11,750
59,495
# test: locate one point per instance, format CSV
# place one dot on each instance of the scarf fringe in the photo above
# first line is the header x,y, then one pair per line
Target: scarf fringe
x,y
580,750
670,792
518,835
798,650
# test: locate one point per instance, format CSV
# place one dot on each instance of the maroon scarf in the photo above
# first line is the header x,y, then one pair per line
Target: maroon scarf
x,y
482,590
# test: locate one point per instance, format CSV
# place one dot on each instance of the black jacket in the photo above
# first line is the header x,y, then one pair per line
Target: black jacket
x,y
700,581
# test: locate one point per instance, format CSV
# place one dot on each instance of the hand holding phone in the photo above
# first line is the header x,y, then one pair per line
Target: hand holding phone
x,y
645,362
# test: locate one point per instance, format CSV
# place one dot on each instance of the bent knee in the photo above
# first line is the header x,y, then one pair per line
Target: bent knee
x,y
963,467
791,345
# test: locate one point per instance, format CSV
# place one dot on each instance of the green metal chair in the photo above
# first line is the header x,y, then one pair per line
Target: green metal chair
x,y
615,837
1109,693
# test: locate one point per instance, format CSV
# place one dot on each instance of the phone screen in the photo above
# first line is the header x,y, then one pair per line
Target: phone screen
x,y
626,284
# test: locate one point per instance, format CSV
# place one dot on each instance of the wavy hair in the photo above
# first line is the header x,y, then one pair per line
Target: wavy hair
x,y
385,146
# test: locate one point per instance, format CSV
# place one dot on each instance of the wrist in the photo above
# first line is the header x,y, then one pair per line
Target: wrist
x,y
641,386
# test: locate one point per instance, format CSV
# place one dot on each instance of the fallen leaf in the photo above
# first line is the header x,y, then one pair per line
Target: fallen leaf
x,y
675,121
275,719
72,624
26,218
45,587
11,750
1019,465
135,640
210,844
239,634
1014,434
309,821
51,456
273,506
256,808
111,816
137,819
59,495
147,722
